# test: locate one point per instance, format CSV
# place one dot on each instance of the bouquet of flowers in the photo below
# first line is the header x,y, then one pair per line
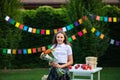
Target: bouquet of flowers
x,y
48,55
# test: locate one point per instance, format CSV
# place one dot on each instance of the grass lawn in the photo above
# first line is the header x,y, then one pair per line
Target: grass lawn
x,y
23,74
36,74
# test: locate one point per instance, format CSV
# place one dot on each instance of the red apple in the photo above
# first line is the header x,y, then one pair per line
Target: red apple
x,y
89,67
76,67
86,67
69,67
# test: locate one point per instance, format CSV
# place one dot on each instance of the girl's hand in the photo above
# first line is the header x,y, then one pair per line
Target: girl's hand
x,y
41,56
54,64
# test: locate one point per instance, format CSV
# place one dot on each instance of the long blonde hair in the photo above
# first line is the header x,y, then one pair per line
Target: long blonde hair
x,y
65,36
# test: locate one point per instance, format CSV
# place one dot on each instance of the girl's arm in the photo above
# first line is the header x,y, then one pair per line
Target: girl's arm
x,y
70,62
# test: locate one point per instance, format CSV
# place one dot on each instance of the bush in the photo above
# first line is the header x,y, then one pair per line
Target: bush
x,y
44,17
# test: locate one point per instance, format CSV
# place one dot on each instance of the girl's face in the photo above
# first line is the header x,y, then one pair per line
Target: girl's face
x,y
60,38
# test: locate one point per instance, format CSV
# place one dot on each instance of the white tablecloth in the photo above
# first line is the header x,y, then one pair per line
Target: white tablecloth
x,y
82,72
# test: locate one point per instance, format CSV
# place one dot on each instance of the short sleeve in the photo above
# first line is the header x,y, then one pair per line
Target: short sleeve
x,y
69,51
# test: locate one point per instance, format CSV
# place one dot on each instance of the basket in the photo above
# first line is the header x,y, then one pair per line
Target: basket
x,y
92,61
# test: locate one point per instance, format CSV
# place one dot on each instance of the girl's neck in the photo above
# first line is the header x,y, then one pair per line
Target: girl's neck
x,y
60,43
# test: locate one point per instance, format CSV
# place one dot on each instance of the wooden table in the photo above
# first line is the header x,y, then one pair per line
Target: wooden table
x,y
82,72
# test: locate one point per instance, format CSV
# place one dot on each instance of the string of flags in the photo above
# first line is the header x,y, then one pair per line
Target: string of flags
x,y
101,35
70,39
66,28
47,32
41,31
39,49
104,18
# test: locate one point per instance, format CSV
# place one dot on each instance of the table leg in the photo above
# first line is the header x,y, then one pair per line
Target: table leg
x,y
98,75
73,76
92,76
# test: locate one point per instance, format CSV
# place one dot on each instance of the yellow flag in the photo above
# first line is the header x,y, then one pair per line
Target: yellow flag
x,y
17,24
47,32
114,19
80,21
93,30
29,51
55,31
84,31
13,51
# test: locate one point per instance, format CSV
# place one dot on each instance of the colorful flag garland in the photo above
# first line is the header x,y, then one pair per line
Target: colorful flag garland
x,y
37,50
42,31
104,18
47,32
70,39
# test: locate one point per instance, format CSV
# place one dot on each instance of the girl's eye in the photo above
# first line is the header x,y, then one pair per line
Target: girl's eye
x,y
59,37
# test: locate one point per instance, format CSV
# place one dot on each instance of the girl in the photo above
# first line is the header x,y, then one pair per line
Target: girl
x,y
63,54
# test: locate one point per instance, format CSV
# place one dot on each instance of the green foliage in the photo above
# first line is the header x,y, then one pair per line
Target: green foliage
x,y
10,37
113,11
89,44
113,52
44,17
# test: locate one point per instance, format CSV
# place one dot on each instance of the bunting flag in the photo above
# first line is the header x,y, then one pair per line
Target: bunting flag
x,y
84,31
112,41
39,49
42,31
97,18
66,28
70,39
73,37
80,21
104,18
34,50
14,51
24,51
9,51
19,51
117,43
110,19
102,36
4,51
98,33
76,23
93,30
29,51
80,33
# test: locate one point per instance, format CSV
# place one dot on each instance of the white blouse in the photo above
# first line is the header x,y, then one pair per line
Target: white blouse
x,y
61,52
